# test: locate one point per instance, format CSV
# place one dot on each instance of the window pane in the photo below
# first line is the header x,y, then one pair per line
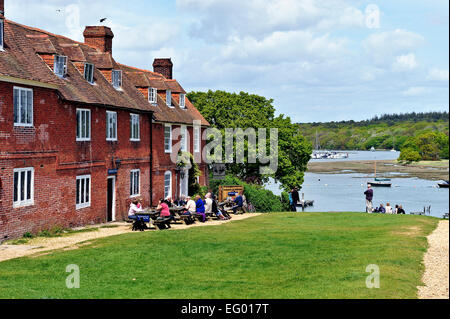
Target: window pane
x,y
23,106
82,198
88,124
137,183
22,186
29,107
88,180
16,105
83,124
28,185
16,186
78,191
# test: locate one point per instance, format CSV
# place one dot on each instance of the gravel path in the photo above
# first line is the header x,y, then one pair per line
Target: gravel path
x,y
436,276
42,245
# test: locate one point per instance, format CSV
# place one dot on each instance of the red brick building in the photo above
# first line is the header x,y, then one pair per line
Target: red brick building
x,y
80,135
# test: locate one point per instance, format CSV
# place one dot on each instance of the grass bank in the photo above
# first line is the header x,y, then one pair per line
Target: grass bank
x,y
306,255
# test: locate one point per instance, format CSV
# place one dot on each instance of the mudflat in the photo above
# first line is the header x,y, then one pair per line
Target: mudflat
x,y
425,170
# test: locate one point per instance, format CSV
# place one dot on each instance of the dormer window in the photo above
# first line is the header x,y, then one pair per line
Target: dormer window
x,y
89,72
60,65
152,95
169,98
116,79
2,27
183,100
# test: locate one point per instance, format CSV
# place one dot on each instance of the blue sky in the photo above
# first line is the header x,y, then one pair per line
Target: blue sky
x,y
319,60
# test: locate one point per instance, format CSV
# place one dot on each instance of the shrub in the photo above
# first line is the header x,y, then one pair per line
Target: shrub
x,y
262,199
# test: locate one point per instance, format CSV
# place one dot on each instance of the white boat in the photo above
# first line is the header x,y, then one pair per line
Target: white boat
x,y
372,149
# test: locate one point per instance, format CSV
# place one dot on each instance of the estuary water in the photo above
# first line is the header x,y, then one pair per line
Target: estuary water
x,y
344,192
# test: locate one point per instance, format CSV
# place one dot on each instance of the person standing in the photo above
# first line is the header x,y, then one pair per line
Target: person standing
x,y
291,201
369,198
295,198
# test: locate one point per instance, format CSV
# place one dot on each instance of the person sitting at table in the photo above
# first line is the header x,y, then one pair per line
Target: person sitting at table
x,y
134,208
200,208
239,203
216,211
208,204
169,201
191,207
181,201
164,212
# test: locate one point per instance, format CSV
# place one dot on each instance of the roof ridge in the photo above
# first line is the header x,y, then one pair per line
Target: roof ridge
x,y
142,70
45,32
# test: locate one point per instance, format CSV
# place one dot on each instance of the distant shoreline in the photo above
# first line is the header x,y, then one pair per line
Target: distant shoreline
x,y
434,171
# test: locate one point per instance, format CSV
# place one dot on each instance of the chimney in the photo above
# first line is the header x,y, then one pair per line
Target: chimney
x,y
2,8
99,37
164,67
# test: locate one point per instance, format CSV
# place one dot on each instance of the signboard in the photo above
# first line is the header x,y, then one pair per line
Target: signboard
x,y
230,191
112,171
219,171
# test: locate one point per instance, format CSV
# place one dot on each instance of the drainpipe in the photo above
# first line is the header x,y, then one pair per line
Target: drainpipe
x,y
150,119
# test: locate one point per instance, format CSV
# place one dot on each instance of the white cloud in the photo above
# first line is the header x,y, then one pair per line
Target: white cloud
x,y
405,62
219,19
415,90
282,47
385,47
438,75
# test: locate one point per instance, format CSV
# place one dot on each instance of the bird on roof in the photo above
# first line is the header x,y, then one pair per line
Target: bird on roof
x,y
102,20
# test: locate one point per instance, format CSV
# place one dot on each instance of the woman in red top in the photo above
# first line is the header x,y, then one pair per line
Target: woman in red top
x,y
163,208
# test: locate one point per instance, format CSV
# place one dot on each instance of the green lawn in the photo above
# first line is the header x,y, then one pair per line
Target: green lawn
x,y
304,255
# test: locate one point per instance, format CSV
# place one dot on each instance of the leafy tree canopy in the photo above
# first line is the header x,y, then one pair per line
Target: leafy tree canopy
x,y
230,110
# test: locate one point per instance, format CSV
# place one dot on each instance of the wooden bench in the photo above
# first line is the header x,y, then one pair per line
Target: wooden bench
x,y
162,224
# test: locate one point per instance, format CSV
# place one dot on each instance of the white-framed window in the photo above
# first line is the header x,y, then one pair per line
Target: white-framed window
x,y
183,141
2,28
23,106
183,100
83,192
134,128
168,138
89,72
23,187
60,65
116,79
135,182
197,131
152,95
111,126
167,184
169,98
83,125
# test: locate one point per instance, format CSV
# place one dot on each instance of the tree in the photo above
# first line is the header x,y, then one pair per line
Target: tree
x,y
409,155
230,110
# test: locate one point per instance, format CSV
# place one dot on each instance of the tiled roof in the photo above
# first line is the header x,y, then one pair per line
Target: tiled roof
x,y
163,113
26,48
21,59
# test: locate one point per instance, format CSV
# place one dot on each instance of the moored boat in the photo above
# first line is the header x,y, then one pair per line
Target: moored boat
x,y
444,185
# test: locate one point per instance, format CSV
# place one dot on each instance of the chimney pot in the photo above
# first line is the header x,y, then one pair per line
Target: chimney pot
x,y
99,37
164,67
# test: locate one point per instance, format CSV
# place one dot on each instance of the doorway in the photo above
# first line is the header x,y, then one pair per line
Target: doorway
x,y
111,200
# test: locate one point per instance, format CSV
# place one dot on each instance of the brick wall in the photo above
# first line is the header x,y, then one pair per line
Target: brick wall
x,y
50,147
